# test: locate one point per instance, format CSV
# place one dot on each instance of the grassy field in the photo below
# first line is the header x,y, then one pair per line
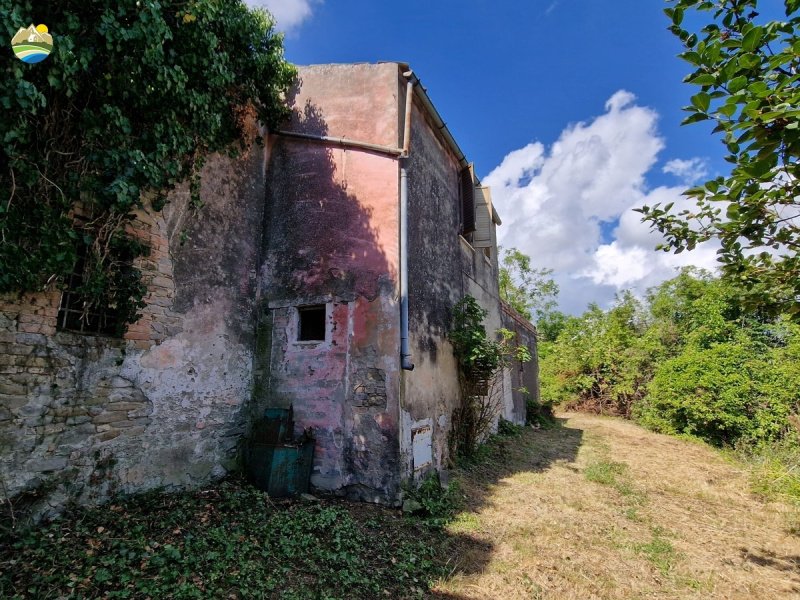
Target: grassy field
x,y
601,508
594,508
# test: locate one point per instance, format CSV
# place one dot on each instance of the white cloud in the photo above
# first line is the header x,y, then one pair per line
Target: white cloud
x,y
557,202
689,171
288,14
552,7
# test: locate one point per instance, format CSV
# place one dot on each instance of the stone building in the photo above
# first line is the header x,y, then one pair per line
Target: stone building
x,y
321,275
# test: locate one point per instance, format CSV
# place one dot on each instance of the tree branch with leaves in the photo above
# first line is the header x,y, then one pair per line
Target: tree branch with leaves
x,y
746,72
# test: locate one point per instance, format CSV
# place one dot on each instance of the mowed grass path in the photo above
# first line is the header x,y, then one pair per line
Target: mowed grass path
x,y
601,508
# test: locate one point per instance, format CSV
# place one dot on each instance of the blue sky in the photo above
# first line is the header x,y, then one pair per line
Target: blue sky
x,y
570,110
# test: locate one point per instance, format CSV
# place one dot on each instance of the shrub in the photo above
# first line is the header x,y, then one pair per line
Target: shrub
x,y
439,503
133,98
724,393
480,361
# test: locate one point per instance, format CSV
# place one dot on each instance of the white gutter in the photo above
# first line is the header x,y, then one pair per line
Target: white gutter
x,y
405,352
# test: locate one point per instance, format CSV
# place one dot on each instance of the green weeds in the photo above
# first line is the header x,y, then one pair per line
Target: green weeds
x,y
617,476
658,551
230,542
774,469
439,503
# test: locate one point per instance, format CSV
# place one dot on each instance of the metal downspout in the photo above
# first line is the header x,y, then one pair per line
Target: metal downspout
x,y
405,353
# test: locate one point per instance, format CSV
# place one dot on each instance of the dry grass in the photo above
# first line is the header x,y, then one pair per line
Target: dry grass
x,y
601,508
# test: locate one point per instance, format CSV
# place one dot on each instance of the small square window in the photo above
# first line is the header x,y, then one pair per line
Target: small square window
x,y
75,314
311,323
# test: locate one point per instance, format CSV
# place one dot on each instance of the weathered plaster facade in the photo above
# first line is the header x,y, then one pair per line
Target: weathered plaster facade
x,y
521,380
84,417
295,224
333,239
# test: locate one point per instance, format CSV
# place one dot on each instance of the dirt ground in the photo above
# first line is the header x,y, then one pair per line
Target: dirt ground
x,y
601,508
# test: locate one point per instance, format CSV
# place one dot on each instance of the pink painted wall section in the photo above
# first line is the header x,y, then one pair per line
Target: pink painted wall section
x,y
332,238
356,101
345,389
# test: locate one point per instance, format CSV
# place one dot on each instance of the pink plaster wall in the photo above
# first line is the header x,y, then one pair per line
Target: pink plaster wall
x,y
332,237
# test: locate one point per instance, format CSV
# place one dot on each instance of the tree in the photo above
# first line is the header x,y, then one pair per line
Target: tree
x,y
598,361
747,72
133,97
529,291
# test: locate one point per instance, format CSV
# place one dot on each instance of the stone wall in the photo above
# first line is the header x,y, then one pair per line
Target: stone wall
x,y
522,379
83,417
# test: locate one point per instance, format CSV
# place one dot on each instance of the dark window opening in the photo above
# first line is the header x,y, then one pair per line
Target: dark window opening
x,y
76,314
467,201
311,323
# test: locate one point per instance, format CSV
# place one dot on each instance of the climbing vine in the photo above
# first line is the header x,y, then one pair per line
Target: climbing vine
x,y
133,97
480,360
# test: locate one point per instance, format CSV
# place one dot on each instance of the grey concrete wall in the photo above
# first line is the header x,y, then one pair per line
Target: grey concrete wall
x,y
431,391
480,272
84,417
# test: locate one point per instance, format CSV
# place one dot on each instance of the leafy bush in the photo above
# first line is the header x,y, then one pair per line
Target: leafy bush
x,y
599,361
690,361
480,360
508,429
539,414
727,392
230,541
774,467
439,503
133,97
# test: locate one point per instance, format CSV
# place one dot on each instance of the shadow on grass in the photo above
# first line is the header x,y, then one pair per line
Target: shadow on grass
x,y
232,541
530,451
767,558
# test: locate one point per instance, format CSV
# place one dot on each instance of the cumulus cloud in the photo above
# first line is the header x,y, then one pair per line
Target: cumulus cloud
x,y
288,14
559,204
689,171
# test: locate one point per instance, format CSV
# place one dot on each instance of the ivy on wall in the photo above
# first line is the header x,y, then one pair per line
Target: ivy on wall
x,y
133,97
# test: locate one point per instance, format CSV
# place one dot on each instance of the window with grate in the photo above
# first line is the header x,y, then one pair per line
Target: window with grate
x,y
77,314
311,323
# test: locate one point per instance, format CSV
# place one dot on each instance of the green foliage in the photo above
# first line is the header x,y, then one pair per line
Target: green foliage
x,y
508,429
226,542
722,393
659,550
599,360
135,94
480,360
550,324
745,71
477,354
480,357
774,467
529,291
539,414
690,361
605,472
439,503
